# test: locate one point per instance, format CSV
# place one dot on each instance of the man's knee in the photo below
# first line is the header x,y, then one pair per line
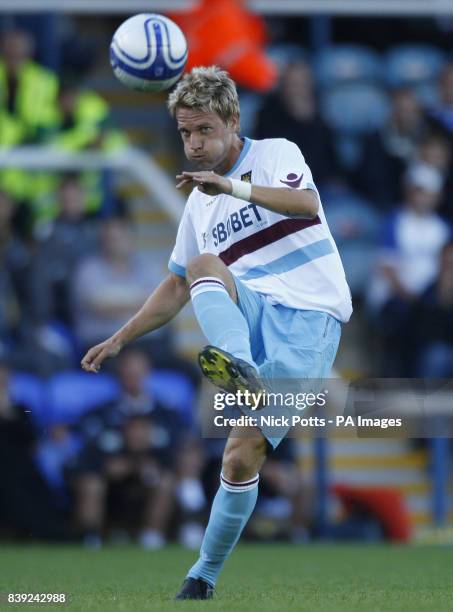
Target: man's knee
x,y
202,265
91,485
210,265
243,458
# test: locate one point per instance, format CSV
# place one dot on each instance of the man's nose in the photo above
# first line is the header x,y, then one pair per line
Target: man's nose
x,y
196,143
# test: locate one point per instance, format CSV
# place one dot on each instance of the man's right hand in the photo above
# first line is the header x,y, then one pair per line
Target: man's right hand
x,y
97,354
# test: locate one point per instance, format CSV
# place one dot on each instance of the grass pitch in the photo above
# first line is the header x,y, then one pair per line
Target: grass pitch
x,y
279,578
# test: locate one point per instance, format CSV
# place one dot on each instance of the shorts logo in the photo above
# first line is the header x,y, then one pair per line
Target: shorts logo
x,y
247,177
292,180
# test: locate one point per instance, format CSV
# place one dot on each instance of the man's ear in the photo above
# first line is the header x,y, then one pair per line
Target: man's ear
x,y
235,124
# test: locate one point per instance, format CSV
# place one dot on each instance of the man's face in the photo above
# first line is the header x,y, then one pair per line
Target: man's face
x,y
447,261
116,239
421,200
16,48
71,200
406,109
207,140
446,85
132,371
297,81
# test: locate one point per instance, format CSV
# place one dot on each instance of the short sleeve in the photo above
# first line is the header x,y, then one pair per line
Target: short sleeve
x,y
289,168
186,247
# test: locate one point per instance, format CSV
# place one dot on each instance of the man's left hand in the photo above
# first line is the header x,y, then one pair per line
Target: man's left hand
x,y
208,182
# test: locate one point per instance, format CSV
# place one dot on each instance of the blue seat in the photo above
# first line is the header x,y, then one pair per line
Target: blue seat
x,y
72,393
345,64
354,224
250,105
413,64
284,53
174,390
355,108
29,390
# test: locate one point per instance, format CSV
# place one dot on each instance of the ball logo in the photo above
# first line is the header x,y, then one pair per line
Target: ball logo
x,y
292,180
157,40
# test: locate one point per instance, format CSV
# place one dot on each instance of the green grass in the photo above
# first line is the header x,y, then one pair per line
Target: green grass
x,y
257,577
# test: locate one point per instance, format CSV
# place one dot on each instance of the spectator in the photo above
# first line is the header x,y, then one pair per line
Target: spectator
x,y
293,113
15,261
82,121
434,322
163,450
436,150
29,90
443,112
67,239
133,370
28,508
110,286
281,479
387,153
55,450
27,106
126,477
28,346
412,239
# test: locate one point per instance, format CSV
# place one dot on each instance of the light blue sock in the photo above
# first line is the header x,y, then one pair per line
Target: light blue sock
x,y
231,509
220,319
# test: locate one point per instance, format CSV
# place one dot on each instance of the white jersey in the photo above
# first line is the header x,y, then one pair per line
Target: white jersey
x,y
293,262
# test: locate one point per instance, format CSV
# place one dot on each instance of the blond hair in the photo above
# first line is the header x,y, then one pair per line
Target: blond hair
x,y
206,88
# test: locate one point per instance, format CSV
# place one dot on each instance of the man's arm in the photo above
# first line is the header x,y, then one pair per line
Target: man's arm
x,y
297,203
162,305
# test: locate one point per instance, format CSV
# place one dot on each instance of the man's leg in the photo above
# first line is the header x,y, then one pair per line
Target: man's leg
x,y
214,299
159,507
90,507
244,454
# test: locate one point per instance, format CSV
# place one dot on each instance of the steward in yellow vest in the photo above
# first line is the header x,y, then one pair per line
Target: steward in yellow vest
x,y
28,106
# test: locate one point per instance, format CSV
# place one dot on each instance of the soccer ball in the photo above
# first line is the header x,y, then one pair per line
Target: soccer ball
x,y
148,52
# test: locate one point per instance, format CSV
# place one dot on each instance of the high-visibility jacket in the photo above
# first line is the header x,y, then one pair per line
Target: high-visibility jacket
x,y
33,112
89,127
35,104
225,33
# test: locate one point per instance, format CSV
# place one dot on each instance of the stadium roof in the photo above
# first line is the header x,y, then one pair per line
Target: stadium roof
x,y
267,7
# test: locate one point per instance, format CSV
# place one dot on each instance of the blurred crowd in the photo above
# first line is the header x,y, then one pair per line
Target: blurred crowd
x,y
132,466
71,274
389,203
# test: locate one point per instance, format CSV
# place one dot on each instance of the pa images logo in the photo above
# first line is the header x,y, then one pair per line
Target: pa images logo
x,y
247,177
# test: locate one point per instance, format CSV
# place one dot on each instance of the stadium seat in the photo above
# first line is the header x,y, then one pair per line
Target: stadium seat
x,y
346,64
250,105
355,108
354,225
71,394
285,53
29,390
412,65
174,390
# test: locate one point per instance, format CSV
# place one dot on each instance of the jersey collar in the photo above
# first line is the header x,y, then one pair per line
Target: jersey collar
x,y
240,159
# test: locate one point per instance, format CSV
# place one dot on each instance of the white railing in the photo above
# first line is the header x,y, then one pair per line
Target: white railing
x,y
265,7
352,7
133,161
